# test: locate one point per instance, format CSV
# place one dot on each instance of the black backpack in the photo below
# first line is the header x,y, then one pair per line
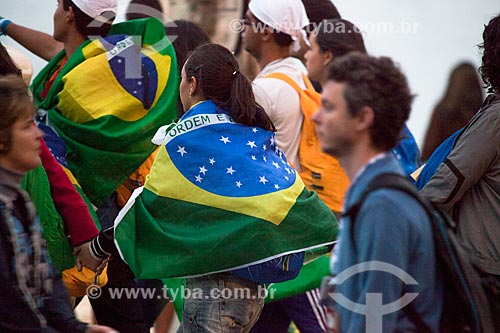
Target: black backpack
x,y
465,306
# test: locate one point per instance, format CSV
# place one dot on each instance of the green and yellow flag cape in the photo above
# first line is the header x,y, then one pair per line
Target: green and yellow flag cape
x,y
220,196
108,100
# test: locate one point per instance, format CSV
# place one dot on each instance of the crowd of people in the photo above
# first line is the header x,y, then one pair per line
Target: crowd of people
x,y
132,158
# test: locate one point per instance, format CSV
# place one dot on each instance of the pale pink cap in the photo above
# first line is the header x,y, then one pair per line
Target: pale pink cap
x,y
95,8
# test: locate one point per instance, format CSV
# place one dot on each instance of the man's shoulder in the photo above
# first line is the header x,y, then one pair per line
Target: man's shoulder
x,y
291,67
394,199
390,202
391,199
390,213
482,129
274,89
489,112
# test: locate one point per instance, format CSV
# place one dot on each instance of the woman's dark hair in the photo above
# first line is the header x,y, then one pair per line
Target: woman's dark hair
x,y
218,75
462,99
319,10
187,36
14,99
7,65
339,37
490,69
88,26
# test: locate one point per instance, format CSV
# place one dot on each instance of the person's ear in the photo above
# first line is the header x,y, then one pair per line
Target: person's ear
x,y
266,34
70,15
327,58
193,86
366,117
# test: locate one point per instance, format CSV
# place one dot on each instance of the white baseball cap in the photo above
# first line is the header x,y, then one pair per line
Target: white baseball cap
x,y
95,8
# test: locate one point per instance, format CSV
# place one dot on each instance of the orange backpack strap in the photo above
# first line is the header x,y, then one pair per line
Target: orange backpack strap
x,y
287,79
319,171
309,89
308,83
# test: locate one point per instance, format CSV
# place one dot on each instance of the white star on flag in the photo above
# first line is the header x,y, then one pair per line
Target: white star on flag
x,y
254,130
181,150
224,139
239,184
230,170
273,141
212,161
276,186
264,147
263,180
251,144
286,177
265,159
276,165
254,158
203,170
198,179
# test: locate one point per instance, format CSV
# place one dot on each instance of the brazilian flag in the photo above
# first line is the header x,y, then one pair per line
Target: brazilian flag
x,y
220,196
108,100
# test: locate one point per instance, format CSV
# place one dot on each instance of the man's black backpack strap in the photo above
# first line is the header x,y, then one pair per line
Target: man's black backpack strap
x,y
387,181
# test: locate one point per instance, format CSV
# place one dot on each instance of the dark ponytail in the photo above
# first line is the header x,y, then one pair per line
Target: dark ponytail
x,y
220,80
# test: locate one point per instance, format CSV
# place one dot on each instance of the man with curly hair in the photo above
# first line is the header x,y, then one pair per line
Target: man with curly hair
x,y
364,105
467,183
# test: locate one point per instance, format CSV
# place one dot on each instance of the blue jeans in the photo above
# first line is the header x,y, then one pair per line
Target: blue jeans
x,y
221,303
